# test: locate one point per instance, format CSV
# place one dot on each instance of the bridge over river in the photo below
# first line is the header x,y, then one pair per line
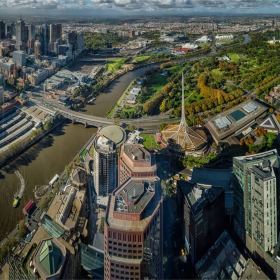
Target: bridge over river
x,y
95,121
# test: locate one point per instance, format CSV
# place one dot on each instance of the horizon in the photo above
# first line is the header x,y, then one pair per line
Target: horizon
x,y
118,8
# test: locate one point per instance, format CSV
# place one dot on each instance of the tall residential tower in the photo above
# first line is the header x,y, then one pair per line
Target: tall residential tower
x,y
255,195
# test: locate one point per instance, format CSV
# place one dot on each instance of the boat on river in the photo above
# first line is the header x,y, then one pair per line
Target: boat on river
x,y
16,201
91,100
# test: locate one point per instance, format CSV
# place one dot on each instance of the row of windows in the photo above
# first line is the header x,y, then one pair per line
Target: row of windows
x,y
125,250
124,272
126,256
121,277
125,237
126,267
125,245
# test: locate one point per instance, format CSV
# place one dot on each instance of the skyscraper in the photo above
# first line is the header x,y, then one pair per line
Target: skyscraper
x,y
45,38
106,142
2,30
20,35
199,206
73,40
55,33
133,231
1,95
31,32
255,195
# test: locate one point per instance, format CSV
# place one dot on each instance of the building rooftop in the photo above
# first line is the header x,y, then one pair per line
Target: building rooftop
x,y
98,242
137,158
257,157
137,153
49,258
233,121
114,133
216,177
177,139
131,206
197,194
222,261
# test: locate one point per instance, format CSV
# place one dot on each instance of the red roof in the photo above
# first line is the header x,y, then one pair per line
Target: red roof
x,y
28,206
177,49
186,50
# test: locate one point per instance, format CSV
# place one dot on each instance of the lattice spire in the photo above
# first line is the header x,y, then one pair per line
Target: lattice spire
x,y
183,123
184,136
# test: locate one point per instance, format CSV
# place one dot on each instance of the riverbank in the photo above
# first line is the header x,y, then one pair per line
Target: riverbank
x,y
9,159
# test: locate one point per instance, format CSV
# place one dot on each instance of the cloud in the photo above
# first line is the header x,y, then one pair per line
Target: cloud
x,y
145,5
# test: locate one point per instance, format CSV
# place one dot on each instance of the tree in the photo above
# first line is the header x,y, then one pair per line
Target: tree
x,y
43,204
271,110
21,229
131,127
162,126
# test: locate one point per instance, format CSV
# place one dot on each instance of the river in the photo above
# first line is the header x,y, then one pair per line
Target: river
x,y
40,163
247,39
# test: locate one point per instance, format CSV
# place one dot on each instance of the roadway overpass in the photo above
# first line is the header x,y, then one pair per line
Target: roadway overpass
x,y
95,121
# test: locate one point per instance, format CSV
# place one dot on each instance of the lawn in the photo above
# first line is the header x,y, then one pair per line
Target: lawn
x,y
158,82
149,141
218,72
234,57
115,64
141,58
203,45
128,108
176,68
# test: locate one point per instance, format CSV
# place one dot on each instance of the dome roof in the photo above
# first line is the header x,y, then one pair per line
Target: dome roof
x,y
114,133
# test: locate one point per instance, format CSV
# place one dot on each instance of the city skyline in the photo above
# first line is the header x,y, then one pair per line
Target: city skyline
x,y
138,7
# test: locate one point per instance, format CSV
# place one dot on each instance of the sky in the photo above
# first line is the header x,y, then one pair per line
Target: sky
x,y
134,7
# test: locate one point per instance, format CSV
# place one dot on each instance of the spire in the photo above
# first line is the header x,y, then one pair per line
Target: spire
x,y
183,117
184,136
183,125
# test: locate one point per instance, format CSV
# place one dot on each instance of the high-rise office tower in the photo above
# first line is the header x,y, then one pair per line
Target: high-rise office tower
x,y
80,41
255,200
55,33
73,40
1,95
45,38
19,58
31,32
200,205
133,231
37,49
2,30
106,142
20,35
